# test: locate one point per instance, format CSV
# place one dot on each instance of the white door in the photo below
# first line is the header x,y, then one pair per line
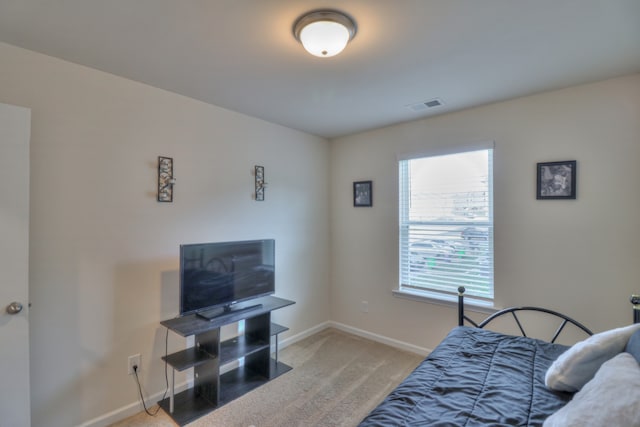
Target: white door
x,y
15,129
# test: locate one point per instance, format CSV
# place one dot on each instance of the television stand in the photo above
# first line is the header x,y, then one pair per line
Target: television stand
x,y
212,389
227,309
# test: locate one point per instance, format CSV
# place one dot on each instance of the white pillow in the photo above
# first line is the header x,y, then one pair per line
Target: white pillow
x,y
611,398
576,366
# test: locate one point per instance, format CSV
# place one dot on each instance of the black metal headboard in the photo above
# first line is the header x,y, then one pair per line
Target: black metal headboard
x,y
564,319
635,300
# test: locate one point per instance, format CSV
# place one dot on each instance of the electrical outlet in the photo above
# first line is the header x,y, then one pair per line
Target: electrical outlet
x,y
364,307
133,361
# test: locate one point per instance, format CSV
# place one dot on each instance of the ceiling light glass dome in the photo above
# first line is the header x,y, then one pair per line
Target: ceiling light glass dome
x,y
324,33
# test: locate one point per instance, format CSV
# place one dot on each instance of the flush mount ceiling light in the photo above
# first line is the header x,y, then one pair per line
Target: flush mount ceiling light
x,y
324,33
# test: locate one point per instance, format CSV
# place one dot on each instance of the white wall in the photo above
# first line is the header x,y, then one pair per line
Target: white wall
x,y
104,267
580,257
104,253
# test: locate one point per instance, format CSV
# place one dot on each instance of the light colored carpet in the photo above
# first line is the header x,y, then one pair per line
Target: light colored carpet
x,y
337,378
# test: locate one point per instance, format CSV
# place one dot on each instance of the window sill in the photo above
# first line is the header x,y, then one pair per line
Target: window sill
x,y
470,304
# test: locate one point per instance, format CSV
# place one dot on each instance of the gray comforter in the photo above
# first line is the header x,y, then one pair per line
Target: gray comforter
x,y
475,377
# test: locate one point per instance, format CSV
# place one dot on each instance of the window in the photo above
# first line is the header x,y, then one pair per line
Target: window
x,y
446,225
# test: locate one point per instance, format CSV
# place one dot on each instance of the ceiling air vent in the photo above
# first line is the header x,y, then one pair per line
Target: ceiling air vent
x,y
421,106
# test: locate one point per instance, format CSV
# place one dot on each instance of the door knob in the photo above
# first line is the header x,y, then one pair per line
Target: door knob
x,y
14,308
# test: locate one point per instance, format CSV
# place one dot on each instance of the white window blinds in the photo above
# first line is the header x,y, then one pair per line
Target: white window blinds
x,y
446,224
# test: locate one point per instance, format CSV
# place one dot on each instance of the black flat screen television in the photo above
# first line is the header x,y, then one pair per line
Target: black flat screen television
x,y
215,276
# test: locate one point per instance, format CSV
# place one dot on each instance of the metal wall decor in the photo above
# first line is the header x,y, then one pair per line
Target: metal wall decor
x,y
260,184
556,180
165,179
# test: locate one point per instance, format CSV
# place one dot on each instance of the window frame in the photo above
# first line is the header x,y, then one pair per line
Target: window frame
x,y
424,293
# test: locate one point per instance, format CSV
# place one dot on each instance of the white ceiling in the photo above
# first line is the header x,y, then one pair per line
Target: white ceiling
x,y
241,55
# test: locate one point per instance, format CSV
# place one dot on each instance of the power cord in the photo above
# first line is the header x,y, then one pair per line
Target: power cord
x,y
166,378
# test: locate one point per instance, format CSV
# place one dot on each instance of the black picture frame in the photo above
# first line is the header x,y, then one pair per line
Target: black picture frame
x,y
363,194
556,180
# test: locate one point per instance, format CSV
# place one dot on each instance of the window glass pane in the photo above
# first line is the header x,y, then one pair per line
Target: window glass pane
x,y
446,223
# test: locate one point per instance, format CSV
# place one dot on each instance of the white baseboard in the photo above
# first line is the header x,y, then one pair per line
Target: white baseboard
x,y
135,407
301,335
132,408
423,351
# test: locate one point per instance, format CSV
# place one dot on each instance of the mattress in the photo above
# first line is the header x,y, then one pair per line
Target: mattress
x,y
475,377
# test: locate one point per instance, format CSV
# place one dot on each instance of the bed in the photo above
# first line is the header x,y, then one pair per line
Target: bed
x,y
478,377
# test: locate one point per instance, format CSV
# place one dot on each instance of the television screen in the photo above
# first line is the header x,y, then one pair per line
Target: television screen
x,y
216,275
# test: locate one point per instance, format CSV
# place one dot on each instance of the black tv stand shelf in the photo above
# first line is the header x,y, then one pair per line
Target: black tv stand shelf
x,y
220,312
212,389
